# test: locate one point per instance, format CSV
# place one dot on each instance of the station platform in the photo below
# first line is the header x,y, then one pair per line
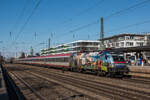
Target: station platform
x,y
140,69
3,90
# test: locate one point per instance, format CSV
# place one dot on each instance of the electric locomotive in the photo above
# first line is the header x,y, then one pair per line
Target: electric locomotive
x,y
103,63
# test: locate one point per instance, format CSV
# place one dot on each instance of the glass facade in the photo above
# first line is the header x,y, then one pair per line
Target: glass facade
x,y
73,47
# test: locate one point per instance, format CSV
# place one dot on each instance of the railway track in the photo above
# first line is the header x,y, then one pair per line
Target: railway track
x,y
133,81
45,90
138,79
103,88
111,91
13,91
17,76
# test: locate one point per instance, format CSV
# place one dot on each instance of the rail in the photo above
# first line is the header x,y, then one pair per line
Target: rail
x,y
27,85
14,92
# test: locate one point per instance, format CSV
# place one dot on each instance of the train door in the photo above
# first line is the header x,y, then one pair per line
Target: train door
x,y
73,62
104,63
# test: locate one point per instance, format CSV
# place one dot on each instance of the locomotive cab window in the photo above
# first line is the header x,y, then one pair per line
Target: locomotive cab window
x,y
118,58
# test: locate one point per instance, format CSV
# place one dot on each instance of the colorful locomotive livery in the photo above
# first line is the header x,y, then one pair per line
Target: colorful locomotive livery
x,y
103,63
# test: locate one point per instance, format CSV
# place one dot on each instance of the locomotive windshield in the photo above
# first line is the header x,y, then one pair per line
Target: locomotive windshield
x,y
118,58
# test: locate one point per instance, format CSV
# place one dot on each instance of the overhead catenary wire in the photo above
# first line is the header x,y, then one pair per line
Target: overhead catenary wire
x,y
27,20
20,15
109,16
86,25
129,8
84,11
79,28
129,26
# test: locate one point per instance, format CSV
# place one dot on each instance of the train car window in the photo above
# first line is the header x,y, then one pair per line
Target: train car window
x,y
50,59
46,59
53,59
106,57
61,59
56,59
118,58
66,59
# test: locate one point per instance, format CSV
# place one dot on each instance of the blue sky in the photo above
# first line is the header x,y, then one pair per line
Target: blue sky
x,y
56,18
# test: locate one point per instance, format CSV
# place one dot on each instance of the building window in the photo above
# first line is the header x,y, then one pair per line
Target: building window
x,y
127,37
139,43
121,38
117,44
122,44
149,38
113,44
74,44
139,39
129,43
131,37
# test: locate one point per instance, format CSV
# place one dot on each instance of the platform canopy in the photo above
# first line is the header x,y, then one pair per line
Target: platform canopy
x,y
132,49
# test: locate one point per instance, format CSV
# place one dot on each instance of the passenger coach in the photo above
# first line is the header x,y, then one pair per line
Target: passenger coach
x,y
57,60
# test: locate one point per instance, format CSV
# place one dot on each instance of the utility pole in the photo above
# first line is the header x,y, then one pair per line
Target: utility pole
x,y
10,34
49,40
102,34
31,52
35,35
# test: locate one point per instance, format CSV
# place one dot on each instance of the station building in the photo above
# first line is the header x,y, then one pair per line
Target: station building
x,y
73,47
128,41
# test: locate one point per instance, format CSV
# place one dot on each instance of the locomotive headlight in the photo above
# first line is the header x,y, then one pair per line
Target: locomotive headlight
x,y
112,66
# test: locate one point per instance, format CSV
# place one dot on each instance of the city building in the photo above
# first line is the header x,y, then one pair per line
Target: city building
x,y
73,47
127,40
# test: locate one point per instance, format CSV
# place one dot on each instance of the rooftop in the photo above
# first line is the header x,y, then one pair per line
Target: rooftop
x,y
127,34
